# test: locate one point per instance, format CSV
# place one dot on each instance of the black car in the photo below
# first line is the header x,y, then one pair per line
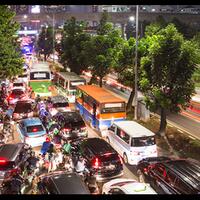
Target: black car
x,y
12,159
23,109
58,104
71,125
170,176
60,182
101,159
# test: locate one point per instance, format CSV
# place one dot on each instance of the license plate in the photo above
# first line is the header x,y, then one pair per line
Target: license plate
x,y
110,167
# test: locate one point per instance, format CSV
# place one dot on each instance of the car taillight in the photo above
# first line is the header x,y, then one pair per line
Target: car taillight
x,y
83,129
2,161
35,130
145,169
10,97
96,163
120,158
66,129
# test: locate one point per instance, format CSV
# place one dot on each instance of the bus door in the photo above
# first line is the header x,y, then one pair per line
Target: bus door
x,y
94,110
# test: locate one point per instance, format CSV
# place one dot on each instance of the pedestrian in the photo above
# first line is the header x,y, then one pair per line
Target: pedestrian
x,y
32,95
45,146
16,183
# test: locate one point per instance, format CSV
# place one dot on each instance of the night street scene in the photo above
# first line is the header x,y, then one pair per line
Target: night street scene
x,y
99,99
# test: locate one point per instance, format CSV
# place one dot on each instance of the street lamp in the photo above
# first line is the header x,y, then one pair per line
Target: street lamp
x,y
135,69
25,16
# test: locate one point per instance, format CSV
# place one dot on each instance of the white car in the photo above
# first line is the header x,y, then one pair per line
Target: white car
x,y
126,186
19,85
23,78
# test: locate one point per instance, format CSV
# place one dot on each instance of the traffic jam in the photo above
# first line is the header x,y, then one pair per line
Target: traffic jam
x,y
46,147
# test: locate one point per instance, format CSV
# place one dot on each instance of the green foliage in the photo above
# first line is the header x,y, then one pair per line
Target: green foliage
x,y
45,41
73,40
10,60
102,50
167,68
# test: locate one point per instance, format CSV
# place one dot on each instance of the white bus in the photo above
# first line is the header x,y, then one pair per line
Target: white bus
x,y
66,83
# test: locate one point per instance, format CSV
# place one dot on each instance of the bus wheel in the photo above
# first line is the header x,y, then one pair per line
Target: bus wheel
x,y
125,158
107,140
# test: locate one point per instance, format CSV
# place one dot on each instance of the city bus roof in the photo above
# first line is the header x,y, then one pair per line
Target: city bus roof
x,y
101,95
70,76
40,65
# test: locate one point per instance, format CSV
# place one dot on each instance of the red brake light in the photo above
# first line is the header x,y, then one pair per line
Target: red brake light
x,y
35,130
2,160
96,163
10,97
145,169
67,129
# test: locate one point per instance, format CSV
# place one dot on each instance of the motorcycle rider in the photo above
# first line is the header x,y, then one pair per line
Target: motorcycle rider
x,y
16,183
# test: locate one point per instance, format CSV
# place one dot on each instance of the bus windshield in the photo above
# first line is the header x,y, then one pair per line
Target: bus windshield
x,y
143,141
40,75
113,108
73,84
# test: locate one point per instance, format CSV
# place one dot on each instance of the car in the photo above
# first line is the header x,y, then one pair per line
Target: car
x,y
16,95
60,182
101,159
71,124
170,176
12,157
23,109
32,131
19,84
126,186
58,104
23,78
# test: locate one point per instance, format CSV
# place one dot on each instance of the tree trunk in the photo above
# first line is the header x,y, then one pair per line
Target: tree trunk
x,y
163,122
100,81
92,79
130,100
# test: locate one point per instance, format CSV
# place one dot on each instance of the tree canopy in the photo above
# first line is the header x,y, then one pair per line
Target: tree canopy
x,y
73,38
167,69
10,60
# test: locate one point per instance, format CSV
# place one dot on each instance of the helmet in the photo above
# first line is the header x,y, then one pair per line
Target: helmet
x,y
47,139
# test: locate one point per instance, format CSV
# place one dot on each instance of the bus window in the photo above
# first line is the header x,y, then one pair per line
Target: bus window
x,y
113,108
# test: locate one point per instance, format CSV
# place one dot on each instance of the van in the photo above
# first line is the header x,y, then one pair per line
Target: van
x,y
132,141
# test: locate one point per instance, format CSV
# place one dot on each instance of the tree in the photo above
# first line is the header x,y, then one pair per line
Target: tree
x,y
45,42
187,30
101,51
167,68
10,60
72,42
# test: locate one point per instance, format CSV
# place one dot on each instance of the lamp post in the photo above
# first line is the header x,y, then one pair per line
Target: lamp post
x,y
135,69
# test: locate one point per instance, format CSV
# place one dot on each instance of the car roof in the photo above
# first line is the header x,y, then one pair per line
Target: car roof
x,y
71,116
137,188
59,99
10,151
188,170
99,146
69,183
31,121
133,128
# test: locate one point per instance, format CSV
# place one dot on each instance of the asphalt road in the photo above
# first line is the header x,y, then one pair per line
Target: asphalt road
x,y
186,124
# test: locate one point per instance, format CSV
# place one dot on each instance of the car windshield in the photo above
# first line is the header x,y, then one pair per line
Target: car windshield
x,y
143,141
73,124
17,92
35,128
23,107
60,105
18,85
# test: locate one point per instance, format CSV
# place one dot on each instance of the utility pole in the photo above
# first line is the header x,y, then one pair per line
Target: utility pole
x,y
136,75
53,38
